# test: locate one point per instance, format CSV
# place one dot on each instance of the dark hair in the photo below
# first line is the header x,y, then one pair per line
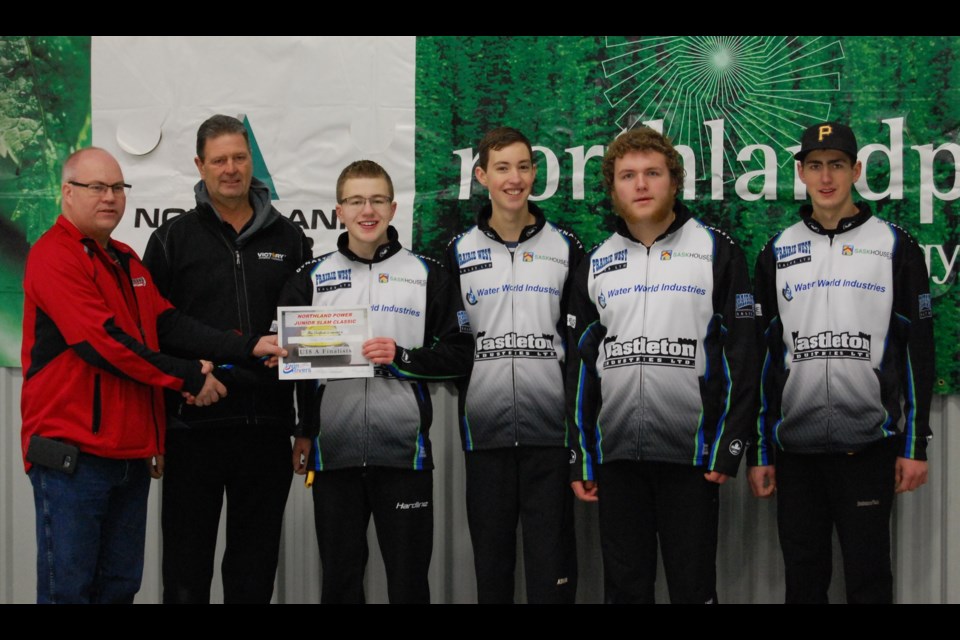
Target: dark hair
x,y
642,139
498,139
362,169
216,126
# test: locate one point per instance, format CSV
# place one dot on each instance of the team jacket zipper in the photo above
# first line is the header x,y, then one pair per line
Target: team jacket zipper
x,y
513,361
643,331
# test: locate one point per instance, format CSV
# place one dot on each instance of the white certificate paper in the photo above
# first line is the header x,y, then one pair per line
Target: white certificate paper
x,y
324,342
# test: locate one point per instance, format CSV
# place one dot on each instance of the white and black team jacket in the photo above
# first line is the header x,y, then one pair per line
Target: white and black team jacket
x,y
848,329
516,301
384,420
663,350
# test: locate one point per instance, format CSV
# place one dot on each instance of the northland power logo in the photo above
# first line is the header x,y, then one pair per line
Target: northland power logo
x,y
612,262
260,169
152,214
791,254
483,257
330,280
667,352
828,344
511,345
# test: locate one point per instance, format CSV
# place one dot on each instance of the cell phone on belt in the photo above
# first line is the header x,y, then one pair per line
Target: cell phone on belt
x,y
53,454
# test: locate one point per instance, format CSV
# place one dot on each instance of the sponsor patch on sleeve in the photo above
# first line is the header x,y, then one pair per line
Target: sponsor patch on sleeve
x,y
464,321
745,307
735,448
758,310
571,321
926,309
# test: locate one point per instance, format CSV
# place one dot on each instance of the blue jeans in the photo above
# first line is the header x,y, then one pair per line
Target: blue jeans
x,y
90,530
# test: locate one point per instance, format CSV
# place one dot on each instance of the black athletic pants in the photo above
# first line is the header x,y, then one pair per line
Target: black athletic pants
x,y
401,502
853,492
640,501
252,465
530,485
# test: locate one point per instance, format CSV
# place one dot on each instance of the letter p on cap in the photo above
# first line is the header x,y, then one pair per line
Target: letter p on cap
x,y
825,130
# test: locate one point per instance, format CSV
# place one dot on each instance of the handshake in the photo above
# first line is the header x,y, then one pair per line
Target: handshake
x,y
213,390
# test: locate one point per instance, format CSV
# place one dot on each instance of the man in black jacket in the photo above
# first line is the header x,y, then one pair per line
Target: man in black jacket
x,y
224,262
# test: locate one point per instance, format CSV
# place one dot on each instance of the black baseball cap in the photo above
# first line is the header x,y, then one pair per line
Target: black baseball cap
x,y
828,135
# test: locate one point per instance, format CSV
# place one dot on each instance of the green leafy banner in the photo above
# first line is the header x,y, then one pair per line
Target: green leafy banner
x,y
735,106
44,116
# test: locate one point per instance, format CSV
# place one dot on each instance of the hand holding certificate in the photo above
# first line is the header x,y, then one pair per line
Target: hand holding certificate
x,y
324,342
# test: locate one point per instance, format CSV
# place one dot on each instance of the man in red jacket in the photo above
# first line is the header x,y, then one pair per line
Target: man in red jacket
x,y
92,408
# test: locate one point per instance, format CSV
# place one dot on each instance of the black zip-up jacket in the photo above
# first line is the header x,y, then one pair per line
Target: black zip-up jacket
x,y
230,281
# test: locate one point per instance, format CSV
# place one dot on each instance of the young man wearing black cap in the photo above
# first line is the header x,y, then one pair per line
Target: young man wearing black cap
x,y
843,299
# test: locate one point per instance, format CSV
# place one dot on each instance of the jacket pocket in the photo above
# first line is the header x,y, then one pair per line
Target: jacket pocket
x,y
95,426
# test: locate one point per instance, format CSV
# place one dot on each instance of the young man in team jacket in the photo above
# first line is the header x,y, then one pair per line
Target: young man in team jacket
x,y
662,378
513,269
843,300
367,439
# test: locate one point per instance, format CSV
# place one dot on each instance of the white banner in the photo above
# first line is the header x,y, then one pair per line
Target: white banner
x,y
313,105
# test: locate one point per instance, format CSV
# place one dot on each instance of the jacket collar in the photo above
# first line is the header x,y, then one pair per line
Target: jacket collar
x,y
846,224
263,212
384,251
483,223
88,242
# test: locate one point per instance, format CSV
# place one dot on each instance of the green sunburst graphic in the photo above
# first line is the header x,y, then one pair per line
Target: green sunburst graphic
x,y
766,89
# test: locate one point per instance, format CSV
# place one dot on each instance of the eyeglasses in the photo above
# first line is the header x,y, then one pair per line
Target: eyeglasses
x,y
358,202
99,189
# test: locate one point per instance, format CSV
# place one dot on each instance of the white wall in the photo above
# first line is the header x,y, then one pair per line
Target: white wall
x,y
926,530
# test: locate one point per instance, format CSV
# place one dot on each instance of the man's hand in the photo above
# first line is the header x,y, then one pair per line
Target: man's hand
x,y
268,349
155,465
380,350
585,490
909,474
206,367
301,451
211,392
716,476
763,480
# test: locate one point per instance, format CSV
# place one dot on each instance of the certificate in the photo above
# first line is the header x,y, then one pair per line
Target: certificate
x,y
324,342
